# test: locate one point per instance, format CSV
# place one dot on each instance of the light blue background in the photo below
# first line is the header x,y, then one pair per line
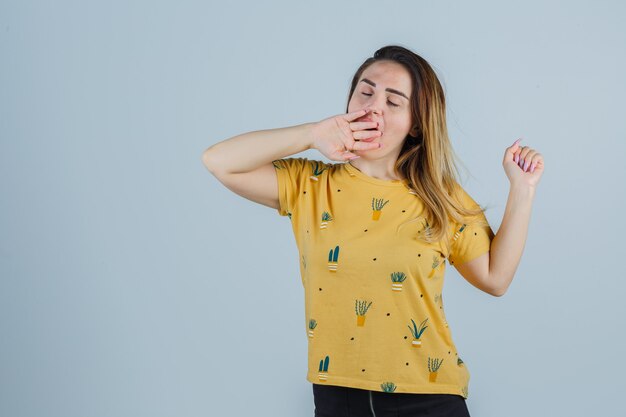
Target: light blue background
x,y
134,284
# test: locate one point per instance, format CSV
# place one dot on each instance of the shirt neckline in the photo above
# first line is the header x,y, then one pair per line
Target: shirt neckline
x,y
360,175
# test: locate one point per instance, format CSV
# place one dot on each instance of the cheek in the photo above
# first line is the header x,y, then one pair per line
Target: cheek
x,y
399,123
404,122
354,104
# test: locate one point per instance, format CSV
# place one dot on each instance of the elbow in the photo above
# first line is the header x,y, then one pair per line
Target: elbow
x,y
208,160
494,291
498,292
494,286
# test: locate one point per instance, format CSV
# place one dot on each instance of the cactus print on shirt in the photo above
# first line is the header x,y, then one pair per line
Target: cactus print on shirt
x,y
374,315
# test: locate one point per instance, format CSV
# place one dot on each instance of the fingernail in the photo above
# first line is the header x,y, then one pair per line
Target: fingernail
x,y
517,141
532,167
516,159
525,165
380,145
354,157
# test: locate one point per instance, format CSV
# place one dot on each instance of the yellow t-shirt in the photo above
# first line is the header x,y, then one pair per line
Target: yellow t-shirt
x,y
374,314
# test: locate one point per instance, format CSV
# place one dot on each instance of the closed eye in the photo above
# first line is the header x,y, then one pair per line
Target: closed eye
x,y
388,101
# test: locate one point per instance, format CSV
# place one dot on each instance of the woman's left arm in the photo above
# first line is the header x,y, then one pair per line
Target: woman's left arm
x,y
494,271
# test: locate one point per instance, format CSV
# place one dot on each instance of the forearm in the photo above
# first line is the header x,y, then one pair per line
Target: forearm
x,y
508,243
248,151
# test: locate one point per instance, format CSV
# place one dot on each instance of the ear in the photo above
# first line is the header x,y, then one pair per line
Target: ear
x,y
413,131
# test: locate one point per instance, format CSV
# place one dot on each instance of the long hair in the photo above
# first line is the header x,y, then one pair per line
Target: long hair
x,y
427,160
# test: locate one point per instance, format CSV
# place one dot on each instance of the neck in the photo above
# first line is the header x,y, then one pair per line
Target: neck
x,y
380,169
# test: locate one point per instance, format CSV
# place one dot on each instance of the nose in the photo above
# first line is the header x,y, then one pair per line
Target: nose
x,y
376,105
372,108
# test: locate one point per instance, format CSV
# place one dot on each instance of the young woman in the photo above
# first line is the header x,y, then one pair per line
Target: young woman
x,y
374,232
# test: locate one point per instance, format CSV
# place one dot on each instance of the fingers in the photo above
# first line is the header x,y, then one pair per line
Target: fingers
x,y
528,159
355,115
355,132
532,161
513,149
523,155
349,156
515,146
525,159
367,134
517,151
363,125
359,146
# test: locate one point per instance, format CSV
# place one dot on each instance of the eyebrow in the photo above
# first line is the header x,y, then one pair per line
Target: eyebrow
x,y
391,90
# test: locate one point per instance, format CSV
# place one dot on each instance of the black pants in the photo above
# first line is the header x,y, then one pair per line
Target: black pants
x,y
335,401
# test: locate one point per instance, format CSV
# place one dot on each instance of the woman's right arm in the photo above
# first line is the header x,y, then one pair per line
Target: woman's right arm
x,y
243,163
248,151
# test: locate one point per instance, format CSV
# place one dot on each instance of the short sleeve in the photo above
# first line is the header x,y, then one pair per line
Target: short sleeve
x,y
291,174
472,238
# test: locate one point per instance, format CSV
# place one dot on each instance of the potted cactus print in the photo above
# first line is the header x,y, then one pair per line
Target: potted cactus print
x,y
459,361
317,170
427,230
333,255
312,326
361,308
436,263
323,371
388,386
326,217
458,233
397,278
377,206
417,333
433,366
